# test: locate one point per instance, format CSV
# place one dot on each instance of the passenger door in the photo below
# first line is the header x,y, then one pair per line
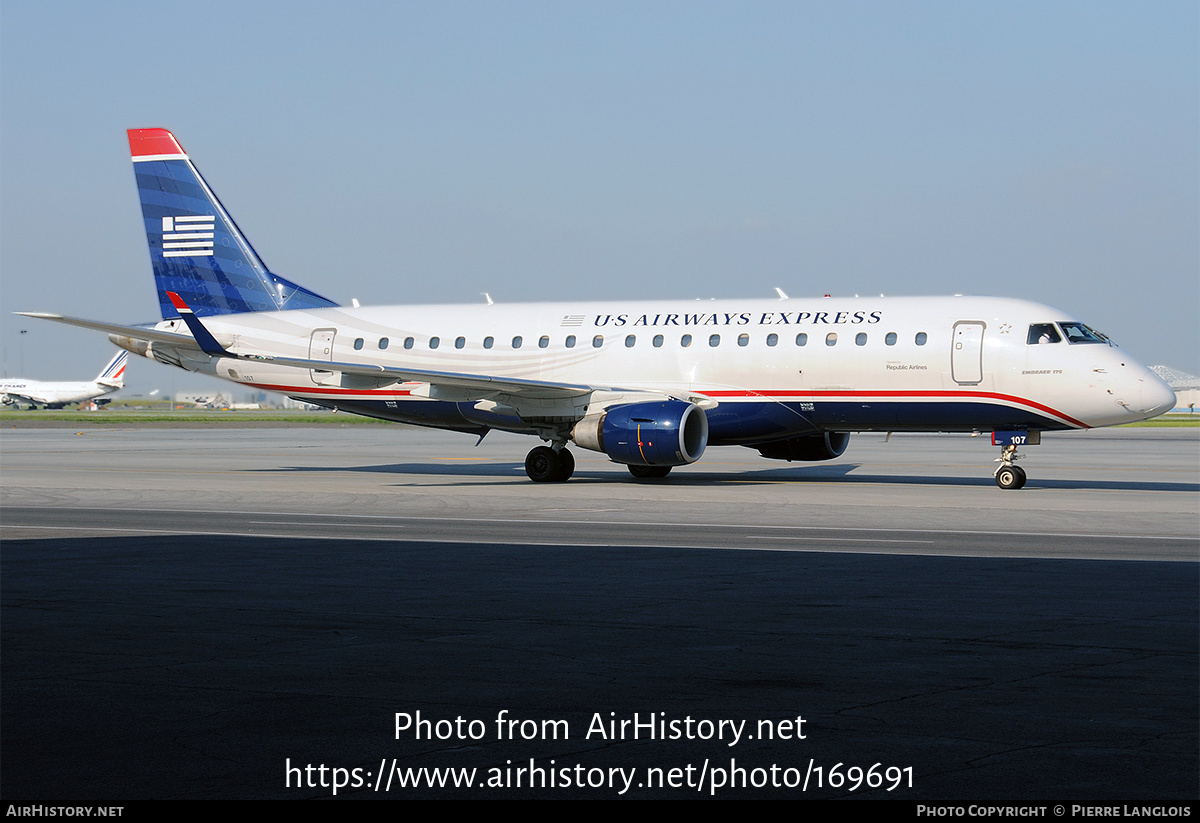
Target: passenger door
x,y
966,356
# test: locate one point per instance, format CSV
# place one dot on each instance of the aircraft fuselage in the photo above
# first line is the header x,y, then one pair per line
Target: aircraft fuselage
x,y
774,368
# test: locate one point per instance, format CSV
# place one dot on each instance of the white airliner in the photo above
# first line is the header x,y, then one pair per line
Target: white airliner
x,y
649,384
55,395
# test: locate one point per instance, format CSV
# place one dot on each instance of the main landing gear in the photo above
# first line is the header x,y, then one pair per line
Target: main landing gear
x,y
545,465
648,472
1008,474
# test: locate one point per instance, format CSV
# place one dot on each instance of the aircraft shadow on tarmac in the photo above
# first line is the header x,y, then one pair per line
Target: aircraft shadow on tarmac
x,y
840,473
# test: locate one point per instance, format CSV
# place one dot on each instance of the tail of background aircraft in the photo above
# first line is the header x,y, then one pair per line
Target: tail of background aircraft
x,y
114,373
196,249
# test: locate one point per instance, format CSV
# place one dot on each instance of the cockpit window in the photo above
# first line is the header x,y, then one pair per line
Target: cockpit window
x,y
1079,333
1042,333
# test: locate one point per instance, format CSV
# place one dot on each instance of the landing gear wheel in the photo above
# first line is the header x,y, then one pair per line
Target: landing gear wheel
x,y
545,465
566,466
542,465
1010,477
646,472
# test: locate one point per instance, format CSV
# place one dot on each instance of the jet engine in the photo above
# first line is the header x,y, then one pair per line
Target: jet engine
x,y
823,446
666,433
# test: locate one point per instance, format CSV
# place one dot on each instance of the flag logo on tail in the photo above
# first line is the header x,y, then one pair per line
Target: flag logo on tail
x,y
188,235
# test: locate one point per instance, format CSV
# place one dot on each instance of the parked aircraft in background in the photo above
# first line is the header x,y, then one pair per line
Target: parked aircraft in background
x,y
55,395
650,384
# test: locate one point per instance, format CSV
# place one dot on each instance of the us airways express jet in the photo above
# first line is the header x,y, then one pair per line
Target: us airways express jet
x,y
55,395
650,384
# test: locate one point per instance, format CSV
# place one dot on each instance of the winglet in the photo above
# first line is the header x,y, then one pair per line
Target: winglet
x,y
208,343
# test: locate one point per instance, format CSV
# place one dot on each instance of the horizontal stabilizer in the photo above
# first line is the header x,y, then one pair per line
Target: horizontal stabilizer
x,y
132,332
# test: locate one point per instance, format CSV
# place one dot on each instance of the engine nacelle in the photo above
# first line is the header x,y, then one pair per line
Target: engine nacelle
x,y
823,446
667,433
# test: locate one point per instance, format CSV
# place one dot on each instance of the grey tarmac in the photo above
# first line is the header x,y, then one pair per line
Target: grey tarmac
x,y
186,610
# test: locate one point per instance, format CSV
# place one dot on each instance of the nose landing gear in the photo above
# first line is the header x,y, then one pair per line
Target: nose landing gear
x,y
1008,474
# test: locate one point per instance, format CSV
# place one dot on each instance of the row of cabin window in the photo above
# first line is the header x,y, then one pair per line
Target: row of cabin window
x,y
714,340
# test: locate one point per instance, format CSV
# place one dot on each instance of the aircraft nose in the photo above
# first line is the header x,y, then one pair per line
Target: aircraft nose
x,y
1157,396
1140,393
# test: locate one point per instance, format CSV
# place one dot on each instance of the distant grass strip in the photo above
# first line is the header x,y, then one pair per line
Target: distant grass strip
x,y
181,417
1169,420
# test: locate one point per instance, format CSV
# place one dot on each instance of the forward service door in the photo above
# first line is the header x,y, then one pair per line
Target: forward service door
x,y
966,354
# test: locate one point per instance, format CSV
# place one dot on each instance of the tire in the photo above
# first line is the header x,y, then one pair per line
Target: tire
x,y
1010,477
566,466
542,465
648,472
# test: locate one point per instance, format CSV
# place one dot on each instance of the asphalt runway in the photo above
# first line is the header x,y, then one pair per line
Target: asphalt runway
x,y
244,613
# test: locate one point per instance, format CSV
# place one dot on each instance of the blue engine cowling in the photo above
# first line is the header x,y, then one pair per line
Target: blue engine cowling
x,y
666,433
823,446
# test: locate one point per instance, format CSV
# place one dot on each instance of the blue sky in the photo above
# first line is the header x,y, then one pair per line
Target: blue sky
x,y
427,152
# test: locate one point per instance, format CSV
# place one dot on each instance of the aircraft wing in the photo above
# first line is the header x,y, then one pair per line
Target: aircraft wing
x,y
12,396
479,382
475,383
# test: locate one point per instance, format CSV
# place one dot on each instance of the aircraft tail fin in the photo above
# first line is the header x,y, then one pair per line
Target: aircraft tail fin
x,y
114,373
196,249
